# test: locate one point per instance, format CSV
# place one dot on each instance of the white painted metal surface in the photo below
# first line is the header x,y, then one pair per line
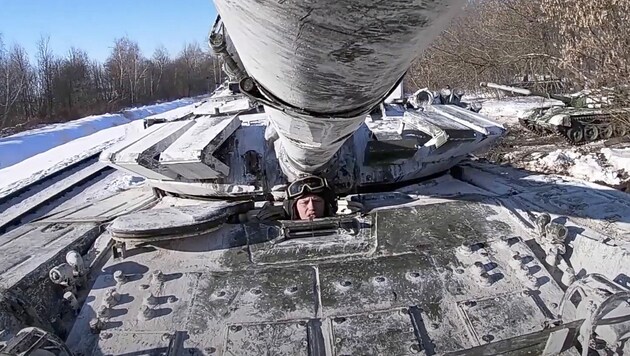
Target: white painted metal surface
x,y
141,157
191,155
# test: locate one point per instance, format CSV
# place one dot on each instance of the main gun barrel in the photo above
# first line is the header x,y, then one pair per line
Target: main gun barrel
x,y
507,88
526,92
321,66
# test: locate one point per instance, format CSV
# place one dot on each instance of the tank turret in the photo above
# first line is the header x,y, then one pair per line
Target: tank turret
x,y
582,117
567,100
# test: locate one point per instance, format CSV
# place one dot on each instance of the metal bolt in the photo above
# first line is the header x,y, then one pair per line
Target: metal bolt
x,y
247,84
415,348
103,311
533,281
542,220
524,269
210,350
157,277
166,337
338,340
487,338
111,297
370,316
291,290
459,270
379,279
434,326
556,231
554,305
120,277
96,325
346,283
71,299
146,313
172,299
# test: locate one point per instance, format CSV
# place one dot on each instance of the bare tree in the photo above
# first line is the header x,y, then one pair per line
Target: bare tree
x,y
125,67
159,63
14,73
72,85
496,41
45,68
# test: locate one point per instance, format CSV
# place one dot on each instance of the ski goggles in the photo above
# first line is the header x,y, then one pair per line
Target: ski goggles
x,y
310,184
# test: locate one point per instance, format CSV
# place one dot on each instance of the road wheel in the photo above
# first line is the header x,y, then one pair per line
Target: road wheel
x,y
620,130
606,131
591,133
575,134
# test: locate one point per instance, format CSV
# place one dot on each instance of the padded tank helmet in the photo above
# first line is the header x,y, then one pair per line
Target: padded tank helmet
x,y
310,185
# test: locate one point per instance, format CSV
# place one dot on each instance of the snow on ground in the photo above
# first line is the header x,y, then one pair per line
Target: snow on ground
x,y
589,166
18,147
56,158
618,158
64,144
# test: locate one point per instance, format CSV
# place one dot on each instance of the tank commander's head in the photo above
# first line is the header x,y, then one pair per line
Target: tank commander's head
x,y
310,197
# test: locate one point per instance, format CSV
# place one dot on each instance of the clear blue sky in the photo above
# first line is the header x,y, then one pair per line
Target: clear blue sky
x,y
93,25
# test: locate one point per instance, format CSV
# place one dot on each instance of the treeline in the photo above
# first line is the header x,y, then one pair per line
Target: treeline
x,y
61,88
585,42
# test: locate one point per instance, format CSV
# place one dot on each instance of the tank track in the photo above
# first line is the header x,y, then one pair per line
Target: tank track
x,y
536,129
584,129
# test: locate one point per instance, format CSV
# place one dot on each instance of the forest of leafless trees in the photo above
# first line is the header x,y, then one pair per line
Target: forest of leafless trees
x,y
585,42
54,88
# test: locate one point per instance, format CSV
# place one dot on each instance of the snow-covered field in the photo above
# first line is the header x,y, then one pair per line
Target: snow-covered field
x,y
593,162
33,154
18,147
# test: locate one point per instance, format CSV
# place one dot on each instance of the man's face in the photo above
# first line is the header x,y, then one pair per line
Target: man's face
x,y
310,206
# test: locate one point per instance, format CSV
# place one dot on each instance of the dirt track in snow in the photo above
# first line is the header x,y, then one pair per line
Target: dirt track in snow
x,y
524,149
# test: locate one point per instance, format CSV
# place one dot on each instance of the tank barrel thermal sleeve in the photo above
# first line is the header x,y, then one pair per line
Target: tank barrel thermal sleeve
x,y
329,62
506,88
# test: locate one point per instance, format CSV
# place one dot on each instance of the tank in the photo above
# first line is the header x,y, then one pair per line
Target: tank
x,y
429,253
468,259
584,117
